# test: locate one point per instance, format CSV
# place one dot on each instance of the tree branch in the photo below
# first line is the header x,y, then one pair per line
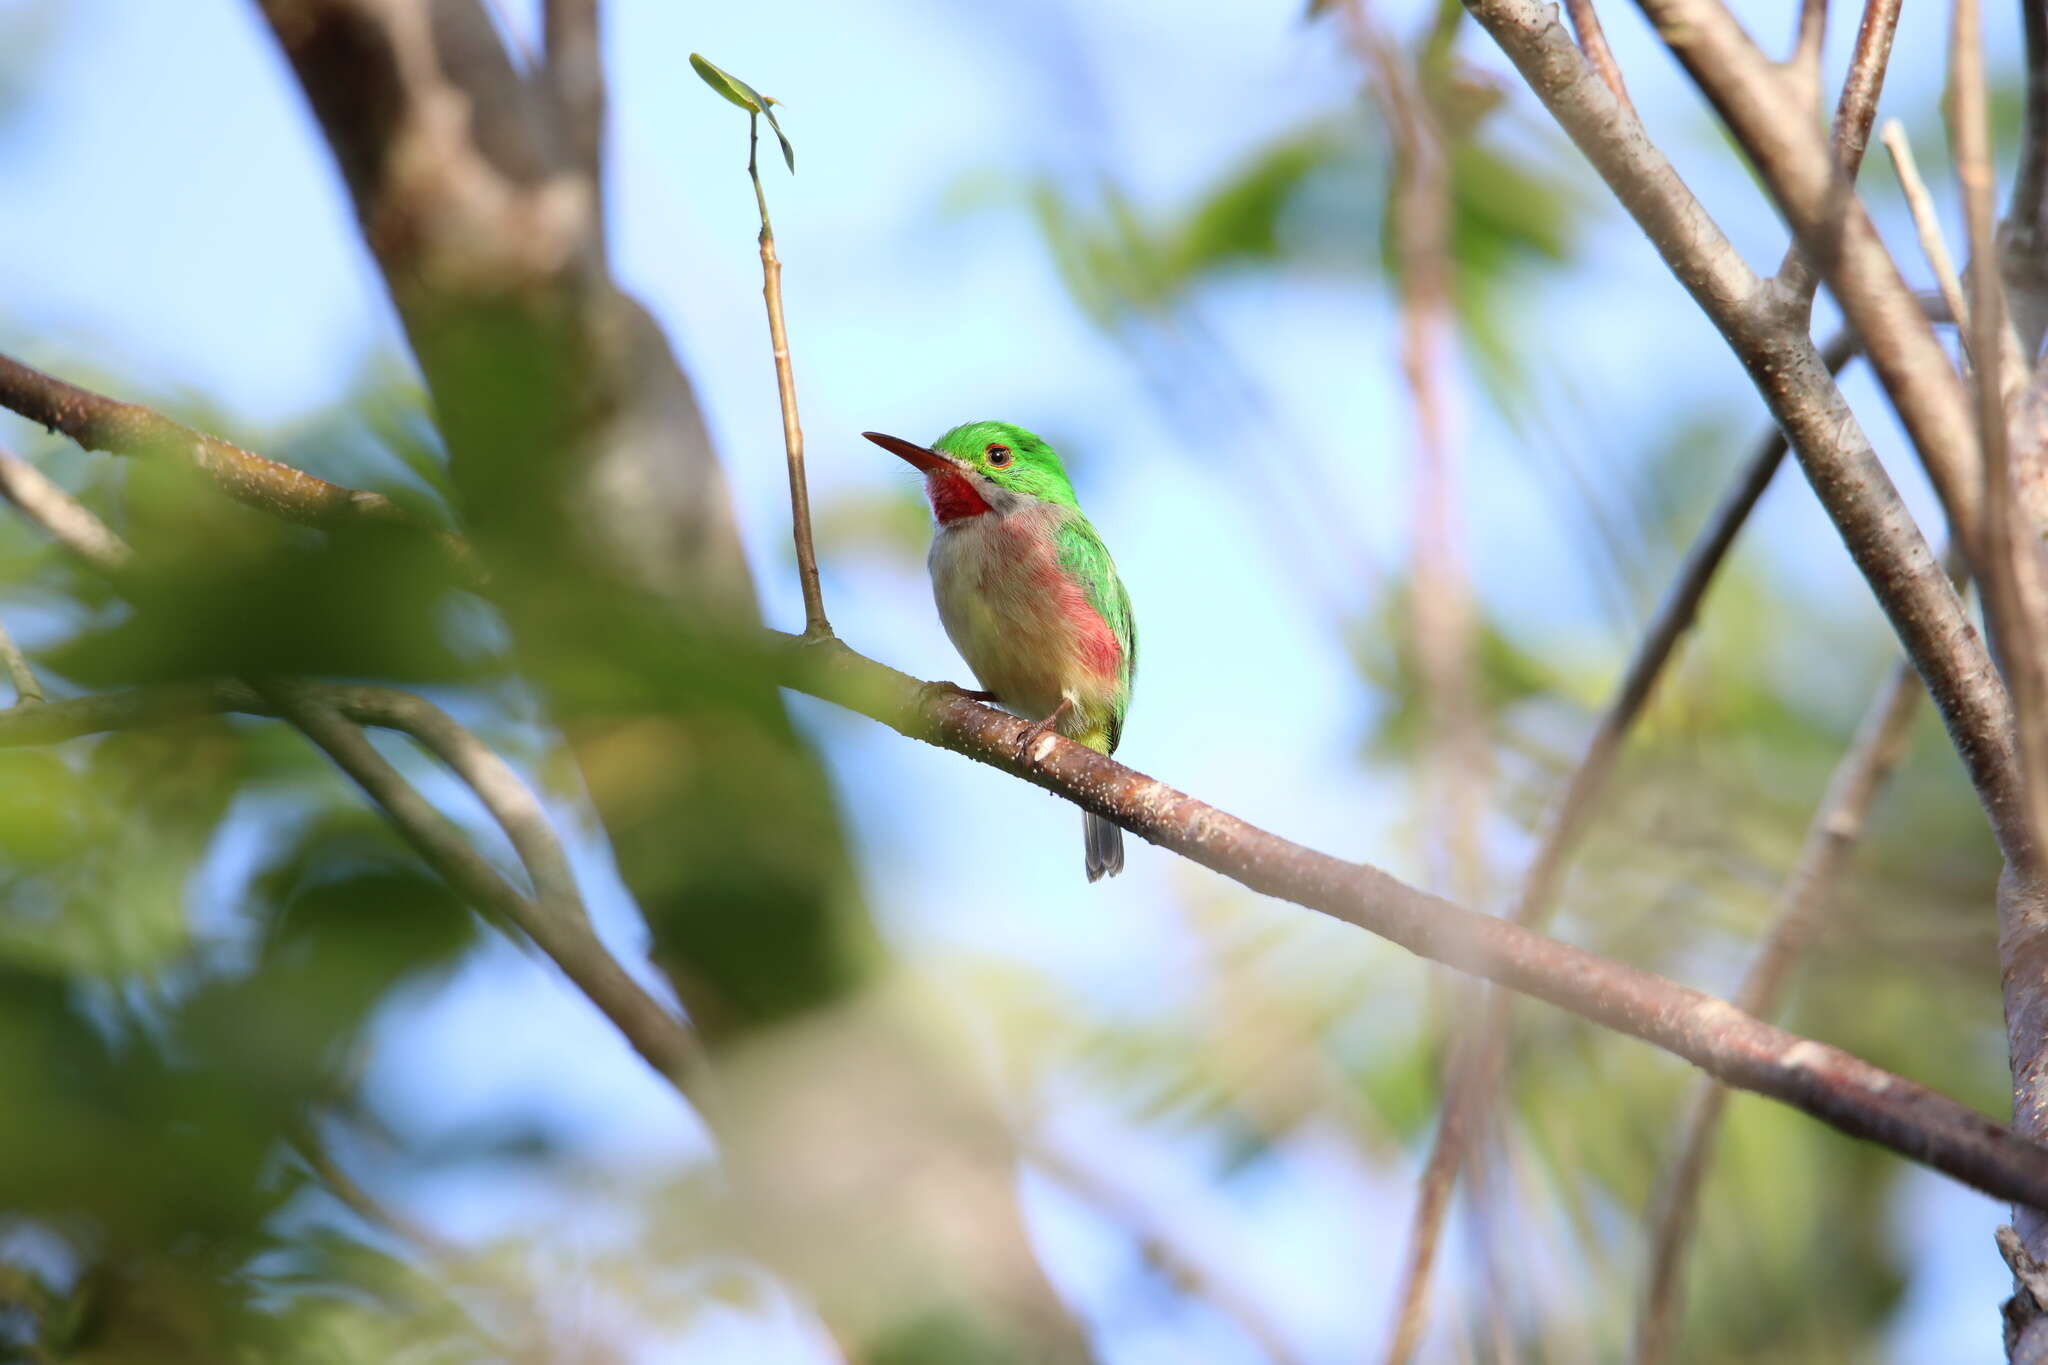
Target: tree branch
x,y
554,920
1844,471
1855,111
1840,1090
97,422
1927,226
1763,113
1593,42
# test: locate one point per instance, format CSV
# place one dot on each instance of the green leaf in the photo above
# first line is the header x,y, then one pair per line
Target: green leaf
x,y
732,87
788,153
747,98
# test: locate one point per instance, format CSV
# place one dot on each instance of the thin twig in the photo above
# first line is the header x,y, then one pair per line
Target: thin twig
x,y
1477,1055
1804,65
555,920
1875,525
815,624
1802,903
100,423
1855,111
1836,232
331,718
68,520
1927,224
27,690
1593,42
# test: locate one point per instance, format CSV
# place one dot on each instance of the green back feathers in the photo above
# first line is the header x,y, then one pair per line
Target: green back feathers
x,y
1084,557
1012,458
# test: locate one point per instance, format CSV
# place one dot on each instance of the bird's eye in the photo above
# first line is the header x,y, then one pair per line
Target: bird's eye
x,y
998,455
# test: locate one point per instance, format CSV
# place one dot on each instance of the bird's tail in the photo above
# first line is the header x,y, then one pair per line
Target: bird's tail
x,y
1105,846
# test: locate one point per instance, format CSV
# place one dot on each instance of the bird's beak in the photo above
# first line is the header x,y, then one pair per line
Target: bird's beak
x,y
926,459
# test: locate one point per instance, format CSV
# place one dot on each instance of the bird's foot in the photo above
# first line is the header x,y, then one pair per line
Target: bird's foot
x,y
1037,729
946,691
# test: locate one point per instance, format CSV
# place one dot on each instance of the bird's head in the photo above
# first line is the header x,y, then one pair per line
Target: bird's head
x,y
982,467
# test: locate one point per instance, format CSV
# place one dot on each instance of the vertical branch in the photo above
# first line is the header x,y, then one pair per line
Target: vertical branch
x,y
815,624
1802,905
1933,245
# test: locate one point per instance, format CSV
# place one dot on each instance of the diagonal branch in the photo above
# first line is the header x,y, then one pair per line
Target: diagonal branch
x,y
97,422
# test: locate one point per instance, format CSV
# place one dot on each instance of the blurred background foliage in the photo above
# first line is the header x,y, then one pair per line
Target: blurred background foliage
x,y
203,934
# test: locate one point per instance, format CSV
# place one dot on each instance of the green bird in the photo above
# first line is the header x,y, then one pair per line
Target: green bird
x,y
1028,593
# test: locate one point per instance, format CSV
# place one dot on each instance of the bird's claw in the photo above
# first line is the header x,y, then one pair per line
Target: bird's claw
x,y
1031,736
947,691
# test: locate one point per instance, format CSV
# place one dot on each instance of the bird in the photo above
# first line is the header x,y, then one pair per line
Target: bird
x,y
1028,594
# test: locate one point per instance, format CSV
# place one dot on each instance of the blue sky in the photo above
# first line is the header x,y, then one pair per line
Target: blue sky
x,y
171,217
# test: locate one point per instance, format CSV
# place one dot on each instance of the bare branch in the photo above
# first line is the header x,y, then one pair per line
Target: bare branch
x,y
1765,116
1593,42
1840,1090
69,522
815,622
100,423
2024,235
1855,111
556,922
1802,904
330,715
1478,1055
1933,244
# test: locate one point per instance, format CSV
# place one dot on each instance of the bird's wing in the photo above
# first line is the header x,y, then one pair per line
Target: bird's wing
x,y
1084,556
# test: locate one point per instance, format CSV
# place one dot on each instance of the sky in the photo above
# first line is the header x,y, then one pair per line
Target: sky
x,y
171,216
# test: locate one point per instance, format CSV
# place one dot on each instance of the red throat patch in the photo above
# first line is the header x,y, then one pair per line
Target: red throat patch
x,y
953,496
